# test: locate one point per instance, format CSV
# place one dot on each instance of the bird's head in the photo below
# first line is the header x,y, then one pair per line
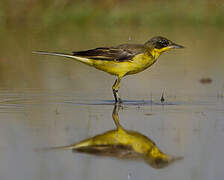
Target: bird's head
x,y
158,159
157,45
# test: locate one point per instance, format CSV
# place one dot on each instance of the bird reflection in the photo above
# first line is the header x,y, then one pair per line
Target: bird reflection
x,y
123,144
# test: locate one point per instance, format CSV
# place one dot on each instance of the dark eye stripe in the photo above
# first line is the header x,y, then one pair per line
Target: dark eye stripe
x,y
161,44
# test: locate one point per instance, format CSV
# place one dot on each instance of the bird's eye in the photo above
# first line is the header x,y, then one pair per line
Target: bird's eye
x,y
161,44
164,43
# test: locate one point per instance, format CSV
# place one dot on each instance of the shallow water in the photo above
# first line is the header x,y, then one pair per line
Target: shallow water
x,y
32,120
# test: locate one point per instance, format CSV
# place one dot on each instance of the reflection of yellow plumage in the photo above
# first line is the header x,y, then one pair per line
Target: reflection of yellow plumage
x,y
125,144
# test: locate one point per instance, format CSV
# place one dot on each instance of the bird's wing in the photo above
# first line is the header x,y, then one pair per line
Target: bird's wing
x,y
124,52
118,151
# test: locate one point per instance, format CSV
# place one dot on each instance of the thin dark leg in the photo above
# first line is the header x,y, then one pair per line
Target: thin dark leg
x,y
115,91
115,115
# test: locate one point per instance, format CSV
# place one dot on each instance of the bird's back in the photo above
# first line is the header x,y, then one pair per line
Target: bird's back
x,y
123,52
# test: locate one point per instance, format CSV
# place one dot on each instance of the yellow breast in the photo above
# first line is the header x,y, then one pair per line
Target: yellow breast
x,y
139,63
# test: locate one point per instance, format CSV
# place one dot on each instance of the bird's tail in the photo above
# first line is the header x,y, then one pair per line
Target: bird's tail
x,y
53,54
81,59
70,147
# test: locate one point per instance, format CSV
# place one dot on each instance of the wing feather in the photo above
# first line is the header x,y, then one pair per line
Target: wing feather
x,y
124,52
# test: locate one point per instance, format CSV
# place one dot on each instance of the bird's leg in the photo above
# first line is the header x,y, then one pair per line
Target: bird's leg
x,y
115,91
115,115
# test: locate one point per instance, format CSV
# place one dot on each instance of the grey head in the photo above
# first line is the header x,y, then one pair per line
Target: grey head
x,y
160,42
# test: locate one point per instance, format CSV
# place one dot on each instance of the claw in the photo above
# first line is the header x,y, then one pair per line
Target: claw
x,y
120,100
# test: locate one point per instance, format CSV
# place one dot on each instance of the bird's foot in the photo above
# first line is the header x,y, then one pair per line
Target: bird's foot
x,y
120,101
117,98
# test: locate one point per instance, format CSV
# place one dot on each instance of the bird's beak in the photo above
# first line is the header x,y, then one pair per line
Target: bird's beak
x,y
176,46
172,159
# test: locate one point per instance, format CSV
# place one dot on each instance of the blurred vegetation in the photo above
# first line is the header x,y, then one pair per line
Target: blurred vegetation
x,y
50,14
68,25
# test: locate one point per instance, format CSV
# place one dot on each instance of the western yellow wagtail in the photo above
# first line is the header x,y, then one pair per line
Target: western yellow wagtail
x,y
121,60
122,144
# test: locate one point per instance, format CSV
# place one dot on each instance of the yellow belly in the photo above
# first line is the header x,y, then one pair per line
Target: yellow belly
x,y
138,64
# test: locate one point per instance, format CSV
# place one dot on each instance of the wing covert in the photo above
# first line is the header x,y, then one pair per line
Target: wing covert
x,y
120,53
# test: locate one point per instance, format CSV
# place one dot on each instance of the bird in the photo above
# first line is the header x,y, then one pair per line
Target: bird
x,y
123,59
122,144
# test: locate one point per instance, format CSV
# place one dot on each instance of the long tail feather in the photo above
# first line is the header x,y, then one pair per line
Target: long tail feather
x,y
54,54
78,58
70,147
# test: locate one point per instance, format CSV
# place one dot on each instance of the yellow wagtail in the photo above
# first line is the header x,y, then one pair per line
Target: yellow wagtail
x,y
122,144
121,60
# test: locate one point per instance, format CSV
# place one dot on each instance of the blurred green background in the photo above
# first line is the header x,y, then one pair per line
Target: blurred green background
x,y
66,26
